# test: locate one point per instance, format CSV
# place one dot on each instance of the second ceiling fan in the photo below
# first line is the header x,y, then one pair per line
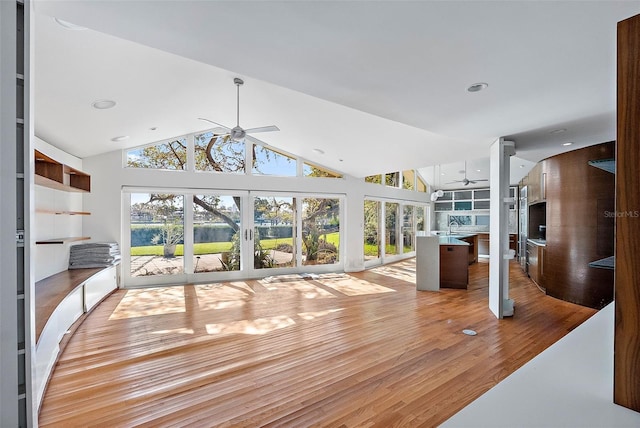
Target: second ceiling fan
x,y
237,132
465,181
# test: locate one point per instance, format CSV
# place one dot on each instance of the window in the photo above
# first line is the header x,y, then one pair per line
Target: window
x,y
320,231
171,155
157,231
373,179
310,170
408,179
371,230
408,231
219,154
271,162
392,179
274,232
391,231
421,185
216,237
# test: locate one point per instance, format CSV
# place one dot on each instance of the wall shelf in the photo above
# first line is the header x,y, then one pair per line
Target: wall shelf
x,y
60,212
62,240
608,165
606,263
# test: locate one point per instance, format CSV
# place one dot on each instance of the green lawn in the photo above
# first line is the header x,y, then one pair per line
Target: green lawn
x,y
219,247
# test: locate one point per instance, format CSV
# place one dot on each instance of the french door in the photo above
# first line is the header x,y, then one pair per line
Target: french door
x,y
174,236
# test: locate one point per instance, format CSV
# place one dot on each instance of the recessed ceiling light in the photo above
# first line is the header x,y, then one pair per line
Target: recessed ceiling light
x,y
558,131
153,128
68,25
442,173
521,166
567,144
477,87
318,151
477,170
120,138
103,104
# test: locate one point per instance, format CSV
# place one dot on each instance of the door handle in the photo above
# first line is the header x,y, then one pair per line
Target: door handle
x,y
250,234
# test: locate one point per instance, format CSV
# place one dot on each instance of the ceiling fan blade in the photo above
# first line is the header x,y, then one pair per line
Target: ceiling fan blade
x,y
215,123
262,129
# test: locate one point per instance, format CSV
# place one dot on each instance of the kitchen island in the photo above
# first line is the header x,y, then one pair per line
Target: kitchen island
x,y
442,260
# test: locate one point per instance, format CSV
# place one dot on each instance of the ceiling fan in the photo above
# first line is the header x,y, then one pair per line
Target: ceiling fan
x,y
237,132
465,181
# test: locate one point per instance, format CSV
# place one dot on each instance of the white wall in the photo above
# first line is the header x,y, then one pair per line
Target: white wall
x,y
108,178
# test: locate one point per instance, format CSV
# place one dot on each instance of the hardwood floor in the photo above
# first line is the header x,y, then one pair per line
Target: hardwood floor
x,y
363,349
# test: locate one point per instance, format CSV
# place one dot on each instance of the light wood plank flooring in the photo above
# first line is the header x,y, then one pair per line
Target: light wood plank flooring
x,y
363,349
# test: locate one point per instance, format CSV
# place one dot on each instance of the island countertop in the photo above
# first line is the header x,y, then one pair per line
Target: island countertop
x,y
453,240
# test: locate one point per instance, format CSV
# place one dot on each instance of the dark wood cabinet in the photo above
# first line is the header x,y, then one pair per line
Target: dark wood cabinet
x,y
472,248
454,266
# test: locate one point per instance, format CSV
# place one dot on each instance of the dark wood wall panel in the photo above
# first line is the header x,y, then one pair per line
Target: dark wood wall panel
x,y
627,282
578,228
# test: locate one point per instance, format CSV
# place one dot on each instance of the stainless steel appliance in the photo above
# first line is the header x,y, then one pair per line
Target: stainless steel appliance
x,y
523,228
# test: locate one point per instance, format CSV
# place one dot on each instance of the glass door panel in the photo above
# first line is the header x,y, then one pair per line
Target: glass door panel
x,y
391,231
216,233
371,230
408,231
274,238
156,232
320,231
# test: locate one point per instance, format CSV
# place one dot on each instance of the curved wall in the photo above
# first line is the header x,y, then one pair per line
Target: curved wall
x,y
580,217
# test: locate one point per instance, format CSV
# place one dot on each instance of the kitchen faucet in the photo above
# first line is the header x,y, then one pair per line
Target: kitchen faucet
x,y
451,223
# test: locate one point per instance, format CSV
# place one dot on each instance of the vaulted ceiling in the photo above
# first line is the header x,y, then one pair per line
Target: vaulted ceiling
x,y
375,85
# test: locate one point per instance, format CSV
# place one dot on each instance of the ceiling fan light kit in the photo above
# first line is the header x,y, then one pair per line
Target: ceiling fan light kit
x,y
237,132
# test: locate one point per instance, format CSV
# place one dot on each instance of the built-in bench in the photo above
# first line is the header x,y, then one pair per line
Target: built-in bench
x,y
62,302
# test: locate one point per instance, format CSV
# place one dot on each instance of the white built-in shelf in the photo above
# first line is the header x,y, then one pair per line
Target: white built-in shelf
x,y
62,240
56,175
608,165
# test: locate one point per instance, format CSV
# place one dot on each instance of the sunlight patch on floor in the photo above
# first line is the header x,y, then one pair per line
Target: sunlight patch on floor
x,y
306,289
355,287
223,296
403,271
257,326
144,302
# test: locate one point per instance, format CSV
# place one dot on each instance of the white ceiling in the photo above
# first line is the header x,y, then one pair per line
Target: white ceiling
x,y
376,85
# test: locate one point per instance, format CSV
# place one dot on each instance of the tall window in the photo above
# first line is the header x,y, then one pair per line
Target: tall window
x,y
371,230
274,231
320,230
216,233
391,231
408,229
157,231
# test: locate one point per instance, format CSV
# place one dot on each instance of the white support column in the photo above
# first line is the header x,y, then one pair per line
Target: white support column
x,y
499,301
